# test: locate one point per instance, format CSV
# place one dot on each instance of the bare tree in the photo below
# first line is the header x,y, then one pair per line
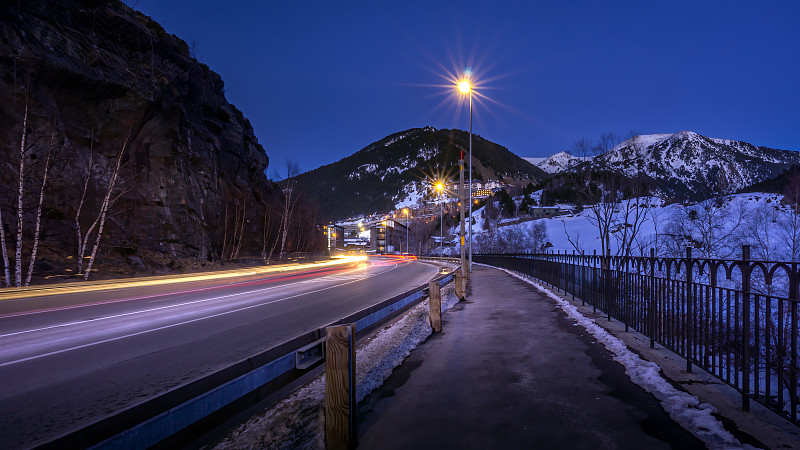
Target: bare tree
x,y
292,170
607,142
238,231
37,227
574,240
789,224
20,195
6,274
714,227
759,231
602,200
265,236
81,240
628,223
104,207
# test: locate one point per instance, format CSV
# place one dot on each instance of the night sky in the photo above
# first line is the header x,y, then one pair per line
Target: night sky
x,y
319,80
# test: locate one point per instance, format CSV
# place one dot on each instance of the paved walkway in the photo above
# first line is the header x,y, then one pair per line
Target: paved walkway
x,y
510,371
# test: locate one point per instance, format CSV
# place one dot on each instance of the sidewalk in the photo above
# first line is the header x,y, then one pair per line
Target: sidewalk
x,y
510,370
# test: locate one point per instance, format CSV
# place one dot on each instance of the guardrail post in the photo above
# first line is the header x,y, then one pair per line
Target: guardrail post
x,y
340,387
435,301
461,285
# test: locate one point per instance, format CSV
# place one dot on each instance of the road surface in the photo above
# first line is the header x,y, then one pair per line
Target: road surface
x,y
69,357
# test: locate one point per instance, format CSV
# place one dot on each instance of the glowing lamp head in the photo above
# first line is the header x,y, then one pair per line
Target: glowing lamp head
x,y
439,186
464,87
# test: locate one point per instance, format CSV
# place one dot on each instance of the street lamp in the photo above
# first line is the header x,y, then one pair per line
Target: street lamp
x,y
466,88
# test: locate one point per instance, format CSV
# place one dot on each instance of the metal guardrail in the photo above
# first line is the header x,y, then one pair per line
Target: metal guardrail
x,y
707,311
176,411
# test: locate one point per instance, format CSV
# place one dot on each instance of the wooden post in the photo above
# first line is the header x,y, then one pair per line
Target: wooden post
x,y
340,387
461,285
435,300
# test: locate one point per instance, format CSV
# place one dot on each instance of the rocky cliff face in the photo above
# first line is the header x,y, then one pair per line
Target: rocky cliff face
x,y
95,75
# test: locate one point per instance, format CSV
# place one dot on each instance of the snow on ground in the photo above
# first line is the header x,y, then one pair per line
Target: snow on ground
x,y
412,195
684,408
299,421
579,228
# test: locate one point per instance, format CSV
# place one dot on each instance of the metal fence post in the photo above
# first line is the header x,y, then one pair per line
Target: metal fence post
x,y
689,311
745,268
572,270
594,290
793,280
652,299
625,282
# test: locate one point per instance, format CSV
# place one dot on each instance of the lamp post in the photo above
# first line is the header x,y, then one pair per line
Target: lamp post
x,y
405,210
466,88
440,189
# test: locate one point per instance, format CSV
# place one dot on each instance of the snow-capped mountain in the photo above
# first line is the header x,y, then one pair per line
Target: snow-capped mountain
x,y
557,163
702,165
690,165
396,171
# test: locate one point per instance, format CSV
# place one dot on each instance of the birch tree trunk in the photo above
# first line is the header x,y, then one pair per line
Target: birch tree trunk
x,y
224,235
35,247
20,194
275,244
241,230
292,169
81,239
267,220
7,274
104,208
285,219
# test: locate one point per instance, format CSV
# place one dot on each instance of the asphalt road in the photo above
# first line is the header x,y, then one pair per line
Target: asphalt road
x,y
70,357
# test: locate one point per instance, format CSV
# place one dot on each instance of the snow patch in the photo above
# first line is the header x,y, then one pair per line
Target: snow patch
x,y
393,140
368,168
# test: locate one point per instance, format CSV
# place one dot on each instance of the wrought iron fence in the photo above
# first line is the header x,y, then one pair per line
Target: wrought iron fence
x,y
742,326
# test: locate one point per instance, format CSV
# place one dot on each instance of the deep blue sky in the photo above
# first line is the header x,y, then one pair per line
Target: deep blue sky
x,y
319,80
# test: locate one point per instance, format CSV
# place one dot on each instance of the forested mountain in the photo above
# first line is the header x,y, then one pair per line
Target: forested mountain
x,y
398,168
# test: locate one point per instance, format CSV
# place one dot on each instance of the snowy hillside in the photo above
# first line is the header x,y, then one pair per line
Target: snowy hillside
x,y
757,219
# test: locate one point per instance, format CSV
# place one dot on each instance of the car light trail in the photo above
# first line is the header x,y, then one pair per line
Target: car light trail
x,y
72,288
